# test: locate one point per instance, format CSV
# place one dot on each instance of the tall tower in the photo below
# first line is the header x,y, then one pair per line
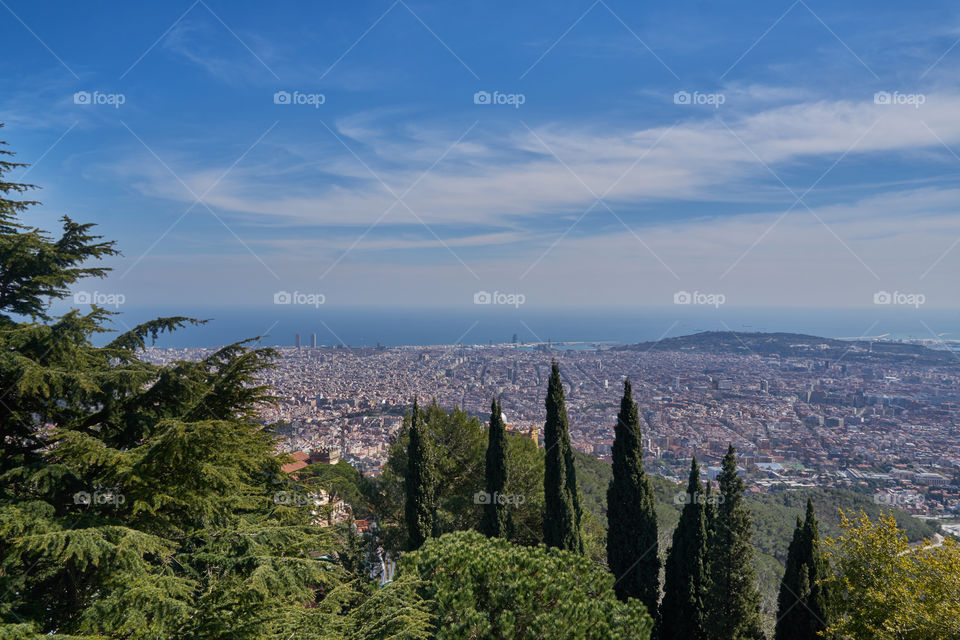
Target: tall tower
x,y
313,340
297,341
534,435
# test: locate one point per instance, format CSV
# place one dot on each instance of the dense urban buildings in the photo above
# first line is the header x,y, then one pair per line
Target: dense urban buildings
x,y
888,426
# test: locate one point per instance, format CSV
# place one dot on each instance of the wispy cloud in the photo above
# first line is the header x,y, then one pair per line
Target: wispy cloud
x,y
496,178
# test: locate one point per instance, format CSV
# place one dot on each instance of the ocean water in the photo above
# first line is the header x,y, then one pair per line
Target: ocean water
x,y
277,326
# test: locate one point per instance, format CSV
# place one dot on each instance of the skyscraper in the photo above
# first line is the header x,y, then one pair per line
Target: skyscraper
x,y
313,340
298,341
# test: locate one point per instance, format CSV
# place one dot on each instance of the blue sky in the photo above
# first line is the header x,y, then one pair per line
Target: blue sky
x,y
733,148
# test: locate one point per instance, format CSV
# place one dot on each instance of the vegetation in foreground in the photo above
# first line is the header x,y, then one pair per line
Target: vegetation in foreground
x,y
141,501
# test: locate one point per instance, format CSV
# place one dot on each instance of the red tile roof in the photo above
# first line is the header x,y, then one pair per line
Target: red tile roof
x,y
293,466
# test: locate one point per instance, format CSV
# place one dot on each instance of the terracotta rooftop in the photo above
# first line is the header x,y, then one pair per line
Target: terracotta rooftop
x,y
293,466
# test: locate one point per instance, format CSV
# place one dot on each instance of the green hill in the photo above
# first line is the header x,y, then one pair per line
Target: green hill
x,y
799,345
774,517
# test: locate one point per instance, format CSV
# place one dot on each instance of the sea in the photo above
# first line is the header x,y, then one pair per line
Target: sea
x,y
575,328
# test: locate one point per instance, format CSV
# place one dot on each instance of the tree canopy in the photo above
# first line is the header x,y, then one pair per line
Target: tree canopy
x,y
479,587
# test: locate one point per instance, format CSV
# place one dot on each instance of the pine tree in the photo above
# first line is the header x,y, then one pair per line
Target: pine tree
x,y
733,610
801,606
562,512
137,500
682,610
496,522
420,511
632,547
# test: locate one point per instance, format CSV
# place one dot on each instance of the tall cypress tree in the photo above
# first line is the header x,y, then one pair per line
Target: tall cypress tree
x,y
632,549
561,517
685,585
734,602
496,522
710,511
801,606
420,509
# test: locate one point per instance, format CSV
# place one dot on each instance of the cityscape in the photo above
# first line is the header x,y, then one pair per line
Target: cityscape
x,y
887,427
425,320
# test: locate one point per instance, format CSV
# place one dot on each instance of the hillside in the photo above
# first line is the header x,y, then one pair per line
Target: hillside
x,y
798,345
774,516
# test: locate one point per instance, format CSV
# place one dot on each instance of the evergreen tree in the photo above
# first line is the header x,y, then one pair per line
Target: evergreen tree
x,y
632,549
137,500
733,610
478,587
34,269
562,513
801,606
496,521
710,510
421,509
685,582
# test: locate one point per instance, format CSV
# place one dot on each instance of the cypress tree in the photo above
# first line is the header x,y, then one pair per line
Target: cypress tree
x,y
496,522
734,602
420,509
710,511
632,548
685,584
562,512
801,606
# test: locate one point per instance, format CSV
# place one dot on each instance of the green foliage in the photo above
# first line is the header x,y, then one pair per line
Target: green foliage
x,y
35,267
773,516
460,441
632,542
801,604
733,606
562,511
420,485
682,611
496,522
342,480
137,501
478,587
881,589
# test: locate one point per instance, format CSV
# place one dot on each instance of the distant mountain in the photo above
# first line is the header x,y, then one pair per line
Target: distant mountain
x,y
800,345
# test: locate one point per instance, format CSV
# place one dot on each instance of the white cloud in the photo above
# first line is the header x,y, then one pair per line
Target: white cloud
x,y
494,178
